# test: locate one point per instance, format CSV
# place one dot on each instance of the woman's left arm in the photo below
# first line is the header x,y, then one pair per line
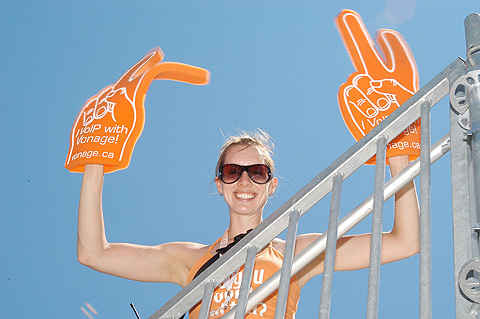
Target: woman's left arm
x,y
353,252
404,239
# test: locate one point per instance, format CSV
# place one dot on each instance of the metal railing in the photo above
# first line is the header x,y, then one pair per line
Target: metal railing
x,y
464,90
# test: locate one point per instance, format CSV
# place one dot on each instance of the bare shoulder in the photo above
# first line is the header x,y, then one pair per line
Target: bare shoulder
x,y
178,259
188,252
279,245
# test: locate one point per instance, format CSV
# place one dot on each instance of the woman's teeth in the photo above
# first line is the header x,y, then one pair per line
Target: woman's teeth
x,y
245,196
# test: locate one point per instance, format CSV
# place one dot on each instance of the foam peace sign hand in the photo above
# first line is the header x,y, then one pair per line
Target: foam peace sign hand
x,y
110,123
378,87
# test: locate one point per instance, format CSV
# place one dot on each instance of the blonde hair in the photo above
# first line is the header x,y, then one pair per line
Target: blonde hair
x,y
258,139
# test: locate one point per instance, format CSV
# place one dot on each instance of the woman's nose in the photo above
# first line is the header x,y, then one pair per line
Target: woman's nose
x,y
244,179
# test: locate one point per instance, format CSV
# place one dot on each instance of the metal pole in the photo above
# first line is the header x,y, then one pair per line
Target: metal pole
x,y
207,300
329,262
246,281
425,307
464,242
285,272
376,236
472,36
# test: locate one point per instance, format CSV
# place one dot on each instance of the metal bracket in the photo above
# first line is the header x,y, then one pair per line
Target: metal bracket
x,y
459,92
468,279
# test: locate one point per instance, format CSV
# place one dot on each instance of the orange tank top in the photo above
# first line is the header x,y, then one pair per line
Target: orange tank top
x,y
267,262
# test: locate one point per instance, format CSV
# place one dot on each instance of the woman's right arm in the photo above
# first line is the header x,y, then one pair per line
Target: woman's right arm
x,y
163,263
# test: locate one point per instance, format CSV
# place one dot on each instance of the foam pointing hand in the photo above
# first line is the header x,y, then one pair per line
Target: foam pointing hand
x,y
378,87
110,123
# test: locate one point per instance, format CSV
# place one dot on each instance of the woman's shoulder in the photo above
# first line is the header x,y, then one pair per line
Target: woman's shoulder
x,y
188,249
279,245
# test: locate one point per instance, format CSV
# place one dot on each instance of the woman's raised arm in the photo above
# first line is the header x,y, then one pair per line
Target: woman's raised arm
x,y
353,252
163,263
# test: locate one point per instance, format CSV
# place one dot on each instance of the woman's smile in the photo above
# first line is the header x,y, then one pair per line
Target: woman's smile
x,y
244,196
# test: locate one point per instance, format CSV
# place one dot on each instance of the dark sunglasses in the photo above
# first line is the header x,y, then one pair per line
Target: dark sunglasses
x,y
258,173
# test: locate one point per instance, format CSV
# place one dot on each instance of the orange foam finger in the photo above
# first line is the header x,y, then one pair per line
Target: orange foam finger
x,y
183,73
110,123
357,41
399,58
379,85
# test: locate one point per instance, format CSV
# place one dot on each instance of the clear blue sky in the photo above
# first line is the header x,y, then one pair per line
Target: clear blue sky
x,y
276,65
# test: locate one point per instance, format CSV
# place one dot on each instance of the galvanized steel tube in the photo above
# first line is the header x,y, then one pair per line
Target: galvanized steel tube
x,y
472,36
207,300
329,261
286,271
376,236
425,223
246,281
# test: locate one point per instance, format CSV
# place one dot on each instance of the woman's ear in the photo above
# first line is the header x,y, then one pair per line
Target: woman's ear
x,y
273,186
218,182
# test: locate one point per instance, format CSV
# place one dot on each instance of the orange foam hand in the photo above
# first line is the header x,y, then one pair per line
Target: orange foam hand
x,y
110,123
378,87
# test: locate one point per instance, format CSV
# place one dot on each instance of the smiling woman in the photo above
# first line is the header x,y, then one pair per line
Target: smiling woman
x,y
245,179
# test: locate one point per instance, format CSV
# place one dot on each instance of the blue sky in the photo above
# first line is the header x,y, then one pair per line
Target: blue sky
x,y
275,65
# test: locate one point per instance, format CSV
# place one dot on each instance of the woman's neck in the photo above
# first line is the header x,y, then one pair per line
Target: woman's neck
x,y
241,224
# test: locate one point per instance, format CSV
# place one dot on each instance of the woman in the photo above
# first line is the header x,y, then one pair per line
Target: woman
x,y
244,179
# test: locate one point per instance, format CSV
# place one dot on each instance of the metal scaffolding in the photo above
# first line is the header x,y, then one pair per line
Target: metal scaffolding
x,y
460,80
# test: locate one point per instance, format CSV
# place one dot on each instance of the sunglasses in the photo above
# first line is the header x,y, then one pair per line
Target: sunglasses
x,y
258,173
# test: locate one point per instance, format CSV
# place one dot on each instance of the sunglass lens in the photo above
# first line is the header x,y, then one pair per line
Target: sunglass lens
x,y
231,173
259,173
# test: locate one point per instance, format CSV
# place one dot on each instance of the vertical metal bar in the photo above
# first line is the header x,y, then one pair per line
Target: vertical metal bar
x,y
425,227
464,242
472,36
285,274
246,281
376,237
472,39
464,246
329,262
465,162
207,300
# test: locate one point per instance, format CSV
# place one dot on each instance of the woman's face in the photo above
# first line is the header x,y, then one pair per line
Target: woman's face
x,y
245,197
